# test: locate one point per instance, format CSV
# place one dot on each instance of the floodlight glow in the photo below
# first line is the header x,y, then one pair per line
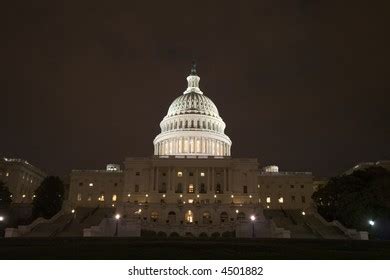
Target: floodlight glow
x,y
303,213
253,218
371,223
73,211
117,216
1,218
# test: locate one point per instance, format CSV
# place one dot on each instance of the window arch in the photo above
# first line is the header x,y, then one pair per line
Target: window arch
x,y
154,216
241,216
189,217
224,217
206,218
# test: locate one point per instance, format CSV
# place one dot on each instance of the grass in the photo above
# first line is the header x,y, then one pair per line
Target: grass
x,y
135,248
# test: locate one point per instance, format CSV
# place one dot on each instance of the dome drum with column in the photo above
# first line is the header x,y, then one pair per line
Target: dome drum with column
x,y
192,125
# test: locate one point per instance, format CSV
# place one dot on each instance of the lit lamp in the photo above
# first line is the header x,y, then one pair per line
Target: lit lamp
x,y
146,195
232,196
215,198
1,218
253,219
371,223
250,198
117,217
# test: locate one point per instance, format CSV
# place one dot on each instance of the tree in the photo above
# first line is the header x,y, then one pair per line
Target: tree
x,y
5,196
49,197
356,198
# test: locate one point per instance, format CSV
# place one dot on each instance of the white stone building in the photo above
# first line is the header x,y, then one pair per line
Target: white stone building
x,y
192,185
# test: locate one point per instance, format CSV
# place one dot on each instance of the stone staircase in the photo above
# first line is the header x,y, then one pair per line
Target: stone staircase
x,y
303,226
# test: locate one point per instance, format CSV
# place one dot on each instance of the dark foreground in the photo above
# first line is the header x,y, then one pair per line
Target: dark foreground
x,y
132,248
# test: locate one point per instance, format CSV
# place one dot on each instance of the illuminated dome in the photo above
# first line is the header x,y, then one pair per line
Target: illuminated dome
x,y
192,125
193,103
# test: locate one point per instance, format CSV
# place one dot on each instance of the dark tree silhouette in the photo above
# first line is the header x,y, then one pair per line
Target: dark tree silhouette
x,y
49,197
356,198
5,196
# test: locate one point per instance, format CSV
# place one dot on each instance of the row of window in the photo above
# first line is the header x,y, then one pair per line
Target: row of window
x,y
281,199
91,184
101,197
206,217
280,186
192,124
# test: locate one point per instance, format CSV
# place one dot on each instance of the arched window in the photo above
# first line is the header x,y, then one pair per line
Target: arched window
x,y
245,189
206,218
171,217
154,216
204,124
181,124
241,216
224,217
189,217
198,125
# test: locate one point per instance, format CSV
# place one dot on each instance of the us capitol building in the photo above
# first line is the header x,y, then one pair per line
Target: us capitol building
x,y
191,185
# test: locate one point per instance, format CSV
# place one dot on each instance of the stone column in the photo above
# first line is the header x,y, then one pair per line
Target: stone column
x,y
169,179
212,178
224,180
156,179
208,178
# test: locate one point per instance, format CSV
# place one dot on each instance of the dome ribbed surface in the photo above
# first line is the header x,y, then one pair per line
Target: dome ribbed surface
x,y
193,103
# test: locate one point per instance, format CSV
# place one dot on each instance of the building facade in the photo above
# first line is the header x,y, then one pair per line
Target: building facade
x,y
192,180
21,178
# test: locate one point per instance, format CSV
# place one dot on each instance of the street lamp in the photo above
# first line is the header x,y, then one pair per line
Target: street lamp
x,y
253,219
117,217
1,218
371,223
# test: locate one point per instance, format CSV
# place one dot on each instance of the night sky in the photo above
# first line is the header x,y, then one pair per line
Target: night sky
x,y
301,84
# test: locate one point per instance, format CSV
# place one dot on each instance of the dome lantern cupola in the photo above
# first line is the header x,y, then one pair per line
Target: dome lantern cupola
x,y
193,81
